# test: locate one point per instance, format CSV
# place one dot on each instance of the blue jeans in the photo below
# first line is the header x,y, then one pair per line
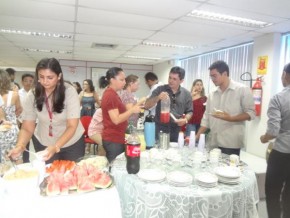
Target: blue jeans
x,y
191,127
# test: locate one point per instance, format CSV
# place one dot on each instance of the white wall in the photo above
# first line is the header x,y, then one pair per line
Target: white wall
x,y
162,70
81,70
267,45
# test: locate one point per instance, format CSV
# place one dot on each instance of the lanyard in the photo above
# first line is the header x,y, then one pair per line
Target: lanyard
x,y
50,116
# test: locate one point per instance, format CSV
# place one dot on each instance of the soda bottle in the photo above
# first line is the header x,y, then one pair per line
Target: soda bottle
x,y
165,110
133,152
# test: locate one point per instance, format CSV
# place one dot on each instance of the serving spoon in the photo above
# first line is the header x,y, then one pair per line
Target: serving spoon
x,y
13,163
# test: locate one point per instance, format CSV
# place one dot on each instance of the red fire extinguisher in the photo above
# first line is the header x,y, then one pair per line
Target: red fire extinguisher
x,y
257,94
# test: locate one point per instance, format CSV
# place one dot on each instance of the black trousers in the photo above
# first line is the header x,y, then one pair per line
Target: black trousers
x,y
230,151
113,149
73,152
277,185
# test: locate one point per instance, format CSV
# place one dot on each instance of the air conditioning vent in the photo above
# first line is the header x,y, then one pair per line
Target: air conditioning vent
x,y
103,46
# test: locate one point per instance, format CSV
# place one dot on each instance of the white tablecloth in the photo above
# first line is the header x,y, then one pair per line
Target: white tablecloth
x,y
146,199
101,203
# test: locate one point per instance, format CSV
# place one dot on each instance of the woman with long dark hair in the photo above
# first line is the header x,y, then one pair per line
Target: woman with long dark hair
x,y
56,106
89,98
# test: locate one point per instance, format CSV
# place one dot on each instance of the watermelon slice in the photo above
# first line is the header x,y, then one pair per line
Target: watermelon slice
x,y
104,182
70,180
52,189
85,185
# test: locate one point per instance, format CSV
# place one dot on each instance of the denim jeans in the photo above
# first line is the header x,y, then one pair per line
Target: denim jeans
x,y
191,127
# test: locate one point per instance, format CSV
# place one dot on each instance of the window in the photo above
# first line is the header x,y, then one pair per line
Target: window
x,y
239,59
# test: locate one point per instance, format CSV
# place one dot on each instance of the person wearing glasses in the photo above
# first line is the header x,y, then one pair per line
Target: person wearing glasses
x,y
180,107
27,83
227,109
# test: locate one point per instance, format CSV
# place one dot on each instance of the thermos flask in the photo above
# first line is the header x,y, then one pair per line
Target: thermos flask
x,y
149,131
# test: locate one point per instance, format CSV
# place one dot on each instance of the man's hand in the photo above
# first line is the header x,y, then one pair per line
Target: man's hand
x,y
222,115
181,121
163,95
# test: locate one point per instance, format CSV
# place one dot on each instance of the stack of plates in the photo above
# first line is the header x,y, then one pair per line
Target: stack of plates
x,y
152,175
179,178
228,174
207,180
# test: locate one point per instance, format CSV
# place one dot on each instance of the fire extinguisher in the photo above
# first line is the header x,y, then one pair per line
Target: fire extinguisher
x,y
257,94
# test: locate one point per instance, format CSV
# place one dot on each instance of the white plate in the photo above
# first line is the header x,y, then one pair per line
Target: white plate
x,y
152,175
228,172
230,182
179,177
206,185
206,178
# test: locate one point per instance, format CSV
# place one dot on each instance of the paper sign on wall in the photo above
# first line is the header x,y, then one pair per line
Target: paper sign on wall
x,y
262,65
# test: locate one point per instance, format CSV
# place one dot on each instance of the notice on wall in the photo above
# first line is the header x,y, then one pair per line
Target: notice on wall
x,y
262,65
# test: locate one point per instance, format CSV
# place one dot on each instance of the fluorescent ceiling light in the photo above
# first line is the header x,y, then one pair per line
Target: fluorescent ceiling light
x,y
157,44
33,33
228,19
141,57
46,51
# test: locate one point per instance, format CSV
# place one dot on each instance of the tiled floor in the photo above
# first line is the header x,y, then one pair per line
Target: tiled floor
x,y
262,209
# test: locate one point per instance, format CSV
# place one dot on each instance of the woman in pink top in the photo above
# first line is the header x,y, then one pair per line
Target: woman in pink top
x,y
96,129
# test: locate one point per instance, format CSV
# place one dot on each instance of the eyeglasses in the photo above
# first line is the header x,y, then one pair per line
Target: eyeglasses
x,y
173,98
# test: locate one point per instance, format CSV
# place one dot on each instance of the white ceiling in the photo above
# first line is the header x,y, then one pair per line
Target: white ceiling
x,y
127,23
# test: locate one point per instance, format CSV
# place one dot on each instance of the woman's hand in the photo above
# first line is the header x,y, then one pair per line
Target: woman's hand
x,y
16,152
50,151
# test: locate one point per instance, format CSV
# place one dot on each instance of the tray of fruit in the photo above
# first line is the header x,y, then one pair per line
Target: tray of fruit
x,y
68,177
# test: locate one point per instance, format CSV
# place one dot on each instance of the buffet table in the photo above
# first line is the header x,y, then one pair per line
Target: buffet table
x,y
141,198
100,203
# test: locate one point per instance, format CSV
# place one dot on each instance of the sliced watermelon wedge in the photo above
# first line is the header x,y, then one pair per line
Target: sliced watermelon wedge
x,y
104,182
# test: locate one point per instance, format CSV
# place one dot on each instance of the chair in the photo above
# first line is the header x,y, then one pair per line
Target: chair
x,y
86,120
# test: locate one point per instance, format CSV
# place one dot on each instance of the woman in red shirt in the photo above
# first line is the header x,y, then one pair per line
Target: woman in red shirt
x,y
115,115
198,101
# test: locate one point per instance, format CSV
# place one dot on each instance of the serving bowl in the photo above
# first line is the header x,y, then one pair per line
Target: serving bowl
x,y
21,181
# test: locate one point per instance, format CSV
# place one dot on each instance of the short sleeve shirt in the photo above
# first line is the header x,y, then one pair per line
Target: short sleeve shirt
x,y
112,132
59,120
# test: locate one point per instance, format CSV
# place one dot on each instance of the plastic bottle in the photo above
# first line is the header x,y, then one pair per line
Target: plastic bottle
x,y
165,110
149,131
133,152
